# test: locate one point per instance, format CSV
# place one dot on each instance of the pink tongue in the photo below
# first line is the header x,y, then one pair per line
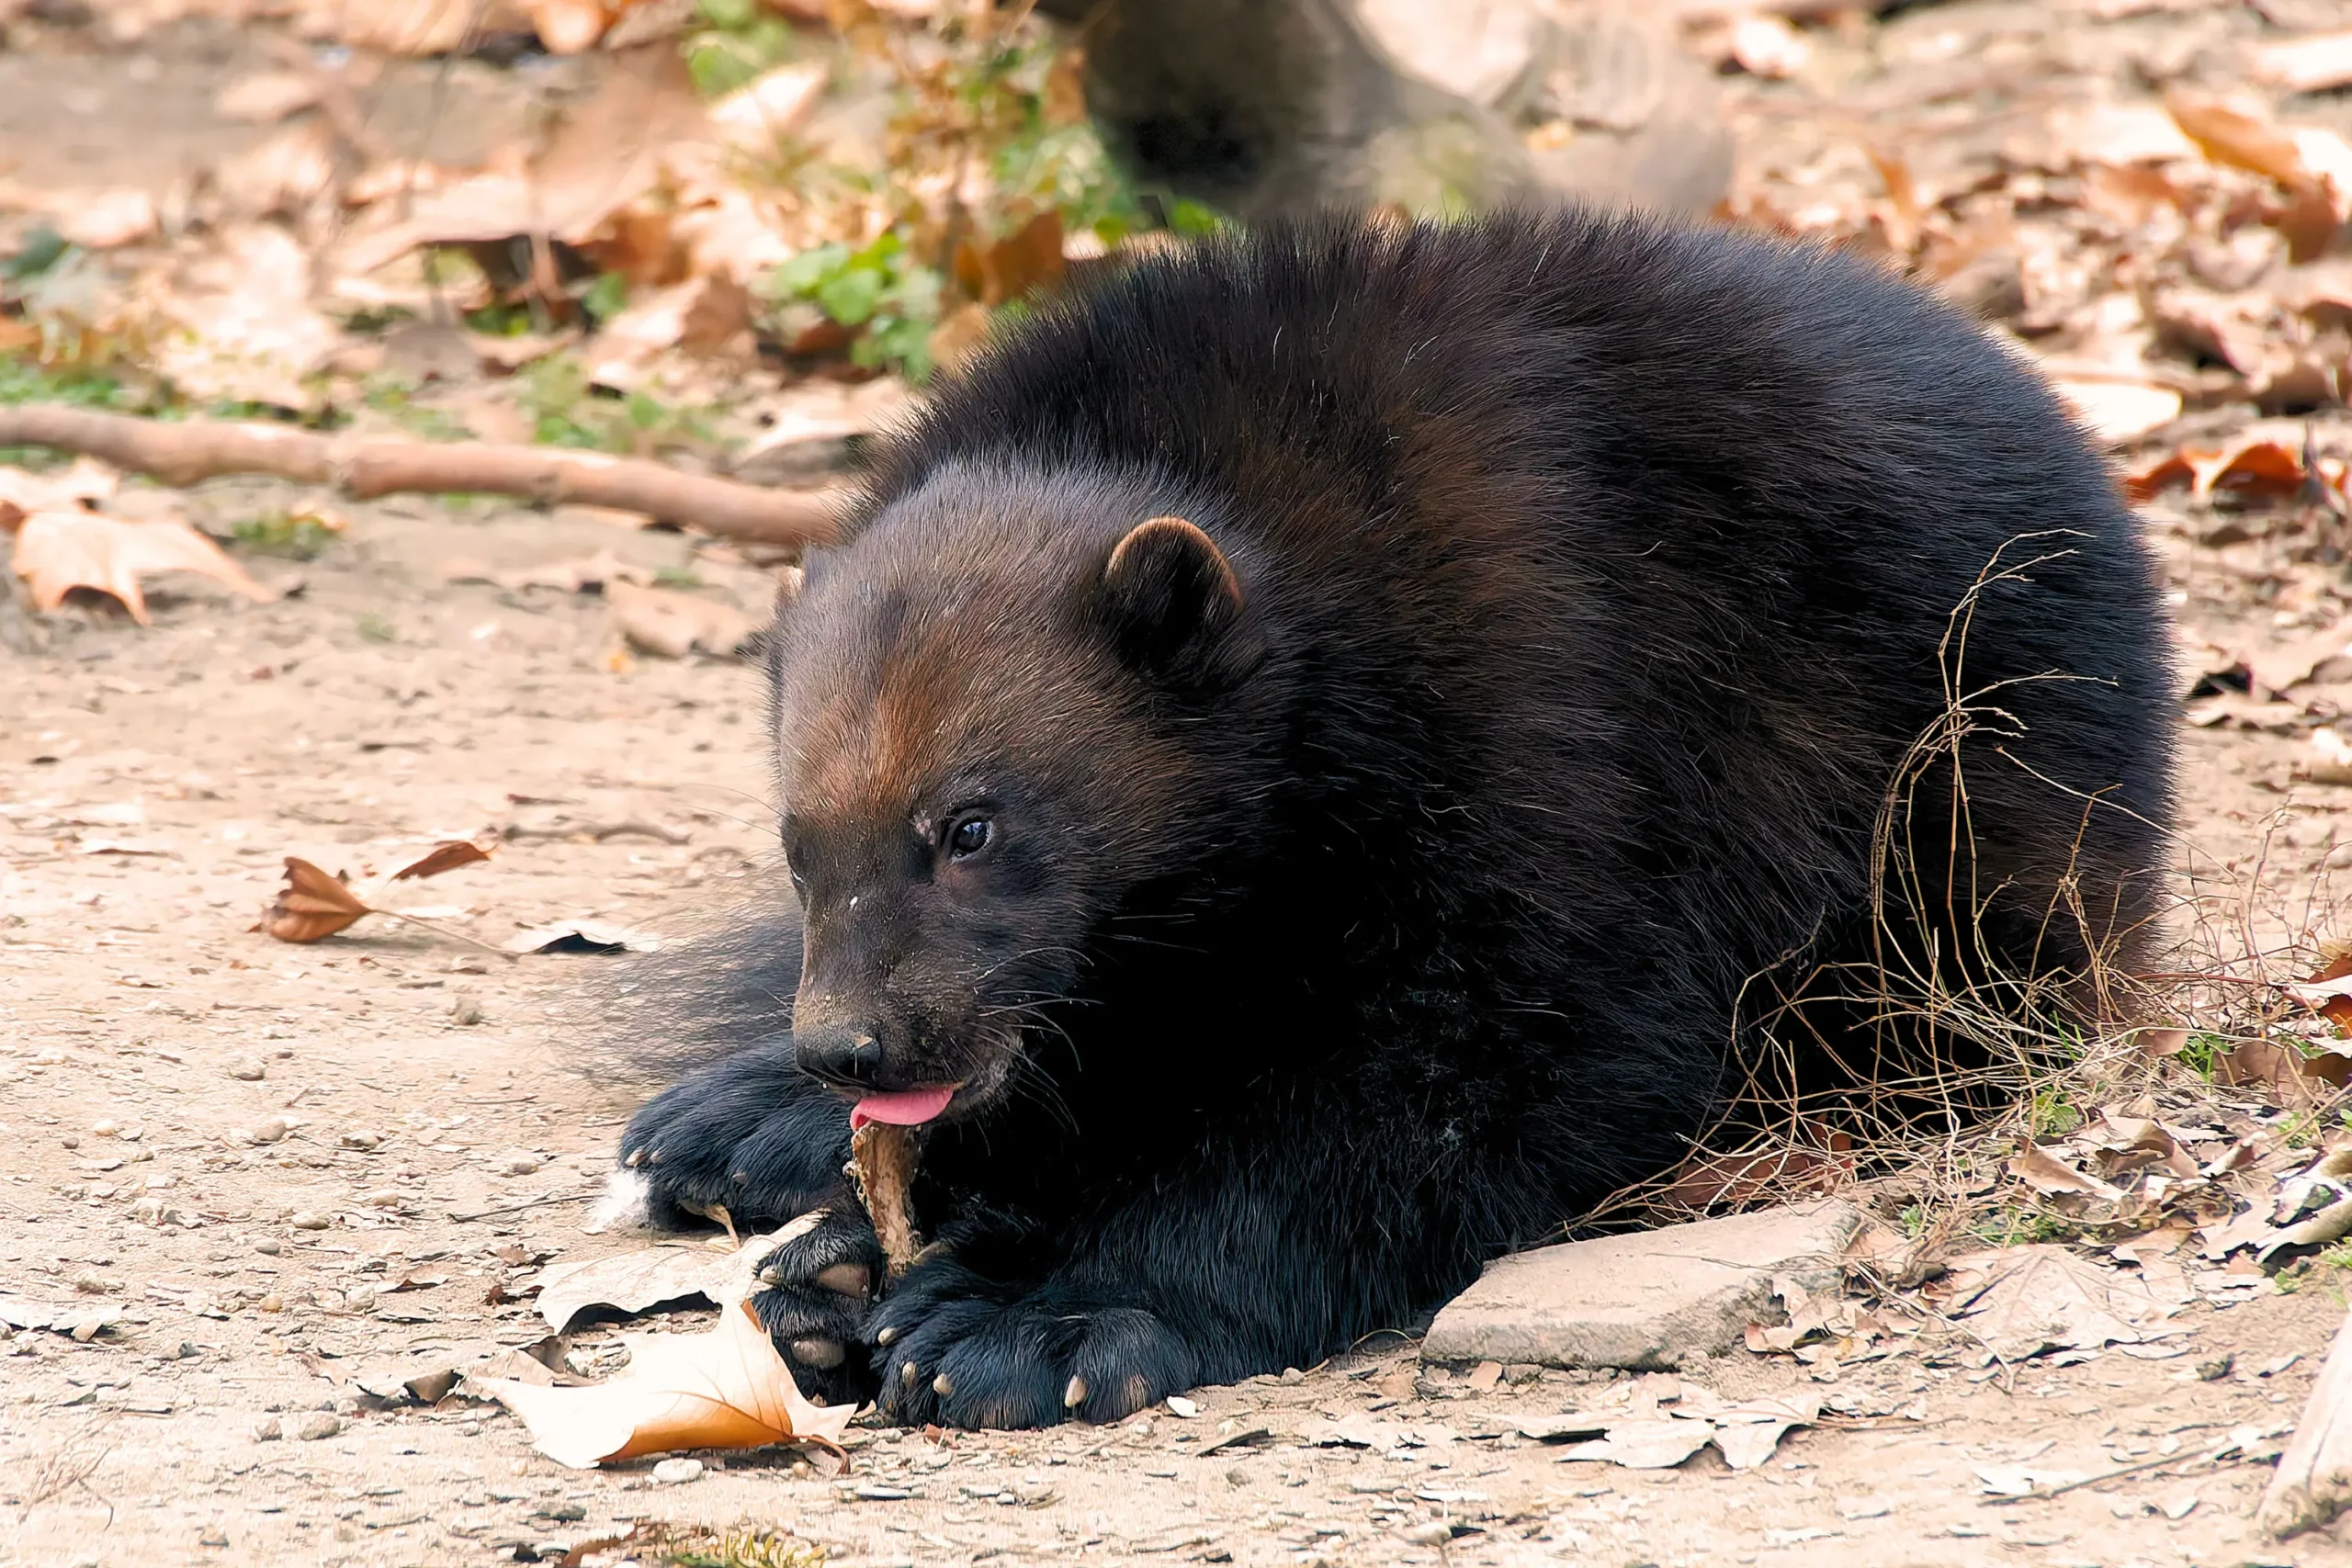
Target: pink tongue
x,y
908,1108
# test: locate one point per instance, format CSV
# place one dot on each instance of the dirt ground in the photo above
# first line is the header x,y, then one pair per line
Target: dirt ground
x,y
149,784
284,1173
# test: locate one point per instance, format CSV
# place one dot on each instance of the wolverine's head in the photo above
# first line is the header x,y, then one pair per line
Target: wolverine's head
x,y
987,708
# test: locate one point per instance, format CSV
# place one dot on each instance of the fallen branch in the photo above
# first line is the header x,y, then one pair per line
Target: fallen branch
x,y
181,452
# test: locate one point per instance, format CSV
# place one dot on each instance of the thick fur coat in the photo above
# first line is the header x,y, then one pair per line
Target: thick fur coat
x,y
1318,746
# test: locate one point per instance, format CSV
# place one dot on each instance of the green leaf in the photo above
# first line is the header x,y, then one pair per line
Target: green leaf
x,y
850,295
606,297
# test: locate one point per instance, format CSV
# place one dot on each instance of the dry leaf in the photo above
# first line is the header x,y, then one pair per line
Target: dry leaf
x,y
582,936
1647,1445
2313,64
576,576
1767,45
2045,1298
763,112
568,26
313,906
2257,462
633,1281
58,552
2044,1172
2120,409
84,484
664,621
2289,1074
726,1389
265,98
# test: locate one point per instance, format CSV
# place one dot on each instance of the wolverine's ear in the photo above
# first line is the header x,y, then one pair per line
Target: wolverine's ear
x,y
1172,605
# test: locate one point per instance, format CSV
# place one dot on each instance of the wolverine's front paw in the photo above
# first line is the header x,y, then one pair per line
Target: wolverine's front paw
x,y
750,1133
820,1289
951,1348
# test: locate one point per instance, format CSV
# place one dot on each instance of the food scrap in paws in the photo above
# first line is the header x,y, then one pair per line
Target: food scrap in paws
x,y
882,1163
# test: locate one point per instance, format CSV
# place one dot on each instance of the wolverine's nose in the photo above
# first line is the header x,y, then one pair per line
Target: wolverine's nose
x,y
847,1058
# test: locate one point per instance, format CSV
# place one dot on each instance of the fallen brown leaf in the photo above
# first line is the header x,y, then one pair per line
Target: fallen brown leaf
x,y
2287,1071
313,906
726,1389
58,552
2045,1172
664,621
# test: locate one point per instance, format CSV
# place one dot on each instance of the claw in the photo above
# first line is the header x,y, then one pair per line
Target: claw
x,y
775,1274
909,1374
636,1158
942,1385
886,1335
1075,1394
847,1279
823,1355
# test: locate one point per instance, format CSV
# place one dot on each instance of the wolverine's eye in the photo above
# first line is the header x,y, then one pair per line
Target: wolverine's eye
x,y
967,836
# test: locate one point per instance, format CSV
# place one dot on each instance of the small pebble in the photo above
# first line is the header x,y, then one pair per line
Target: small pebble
x,y
269,1244
363,1140
1292,1374
270,1303
1182,1406
70,1141
677,1472
215,1536
247,1069
465,1008
383,1197
268,1429
106,1126
304,1220
518,1164
316,1424
269,1131
1434,1533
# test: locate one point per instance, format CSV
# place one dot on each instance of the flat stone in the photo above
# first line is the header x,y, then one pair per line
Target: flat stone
x,y
1650,1301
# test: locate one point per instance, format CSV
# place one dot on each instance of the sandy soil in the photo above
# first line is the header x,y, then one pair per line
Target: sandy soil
x,y
149,784
441,1133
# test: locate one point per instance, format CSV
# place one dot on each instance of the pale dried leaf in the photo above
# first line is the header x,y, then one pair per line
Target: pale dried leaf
x,y
633,1281
582,936
2314,62
2045,1298
672,623
726,1389
2118,411
57,552
2045,1172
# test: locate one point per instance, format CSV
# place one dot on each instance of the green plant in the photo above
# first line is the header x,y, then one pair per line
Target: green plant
x,y
398,401
374,628
889,299
24,379
606,298
738,41
2011,1225
2051,1114
299,536
676,576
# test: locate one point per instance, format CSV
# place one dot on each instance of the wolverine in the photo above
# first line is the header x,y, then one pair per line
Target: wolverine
x,y
1305,749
